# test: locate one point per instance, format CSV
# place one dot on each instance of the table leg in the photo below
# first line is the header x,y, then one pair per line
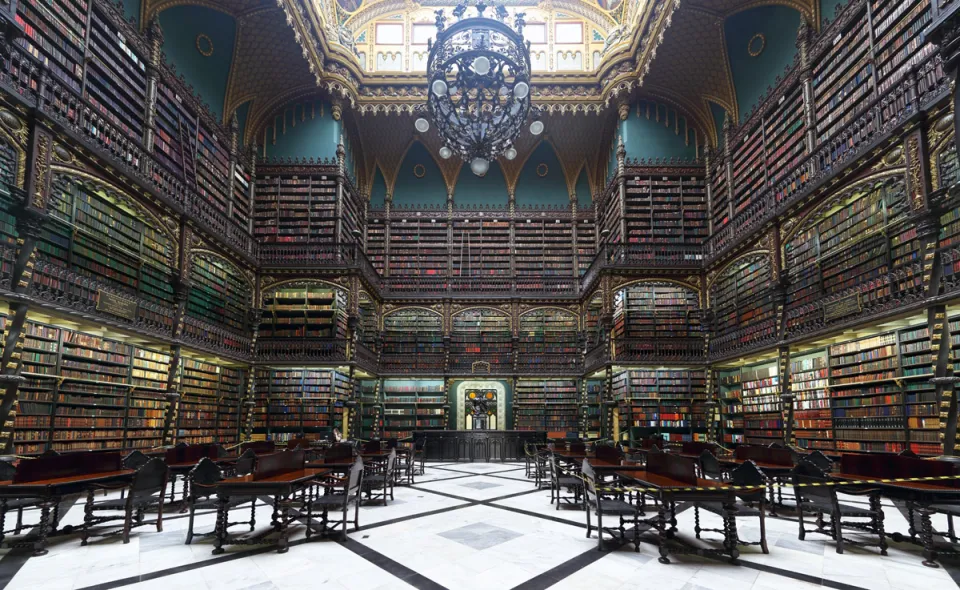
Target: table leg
x,y
911,526
926,537
731,538
662,533
773,503
283,544
40,545
221,528
183,495
275,517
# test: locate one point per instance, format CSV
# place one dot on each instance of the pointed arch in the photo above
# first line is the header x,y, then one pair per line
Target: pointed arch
x,y
542,180
418,179
582,188
472,190
378,188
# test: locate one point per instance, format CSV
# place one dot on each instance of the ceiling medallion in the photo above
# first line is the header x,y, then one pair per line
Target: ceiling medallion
x,y
419,170
542,169
756,45
204,45
478,75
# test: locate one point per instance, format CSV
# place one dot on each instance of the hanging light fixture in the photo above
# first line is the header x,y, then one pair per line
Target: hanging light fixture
x,y
478,73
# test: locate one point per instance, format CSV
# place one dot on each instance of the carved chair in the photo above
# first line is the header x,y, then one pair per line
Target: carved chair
x,y
203,496
145,491
602,503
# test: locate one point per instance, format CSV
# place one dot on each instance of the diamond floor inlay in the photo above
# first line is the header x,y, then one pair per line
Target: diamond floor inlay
x,y
480,536
480,485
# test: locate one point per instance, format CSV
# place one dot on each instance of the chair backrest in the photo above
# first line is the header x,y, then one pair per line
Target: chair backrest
x,y
370,446
820,460
776,445
589,483
578,447
7,470
676,468
182,445
710,466
135,460
246,463
552,462
338,452
654,449
609,453
69,465
204,477
748,474
150,479
807,473
354,479
50,453
392,443
391,462
278,463
908,453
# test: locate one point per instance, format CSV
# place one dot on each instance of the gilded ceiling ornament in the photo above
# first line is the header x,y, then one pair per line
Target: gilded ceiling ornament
x,y
756,45
542,169
204,45
419,170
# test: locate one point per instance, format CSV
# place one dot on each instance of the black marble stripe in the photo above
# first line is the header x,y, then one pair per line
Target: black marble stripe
x,y
392,567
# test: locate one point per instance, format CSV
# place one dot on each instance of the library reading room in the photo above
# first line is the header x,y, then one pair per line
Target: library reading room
x,y
479,294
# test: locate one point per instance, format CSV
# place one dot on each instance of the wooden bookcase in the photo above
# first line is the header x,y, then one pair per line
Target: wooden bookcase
x,y
552,405
413,404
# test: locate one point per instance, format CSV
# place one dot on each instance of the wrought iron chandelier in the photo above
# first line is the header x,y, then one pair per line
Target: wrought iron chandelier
x,y
478,76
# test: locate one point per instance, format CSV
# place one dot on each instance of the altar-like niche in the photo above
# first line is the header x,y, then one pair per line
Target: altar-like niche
x,y
481,405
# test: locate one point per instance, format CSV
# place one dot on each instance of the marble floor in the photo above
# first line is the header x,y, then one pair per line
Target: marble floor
x,y
469,526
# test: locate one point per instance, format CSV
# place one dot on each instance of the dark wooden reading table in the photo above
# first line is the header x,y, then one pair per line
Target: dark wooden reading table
x,y
49,479
279,476
674,480
870,471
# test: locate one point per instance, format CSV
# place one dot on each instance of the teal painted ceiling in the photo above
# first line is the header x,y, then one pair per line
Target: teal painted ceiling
x,y
472,190
419,180
541,181
190,32
761,43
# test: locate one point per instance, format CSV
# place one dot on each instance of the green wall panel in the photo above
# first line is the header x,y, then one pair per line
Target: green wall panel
x,y
305,130
472,190
428,190
549,189
752,75
181,26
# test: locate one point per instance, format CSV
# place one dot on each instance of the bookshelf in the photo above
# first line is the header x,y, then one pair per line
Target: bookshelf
x,y
212,168
549,338
667,403
175,137
368,321
481,334
586,242
292,403
851,248
371,410
418,246
592,310
593,389
413,404
899,39
666,209
102,236
749,171
542,247
54,33
655,310
812,416
197,415
376,237
294,206
115,78
219,293
730,389
230,407
842,78
720,193
762,409
783,131
82,391
552,405
481,247
412,334
241,194
304,310
743,308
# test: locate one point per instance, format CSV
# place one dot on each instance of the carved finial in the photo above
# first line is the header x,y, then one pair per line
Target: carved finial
x,y
481,8
441,21
623,109
519,21
336,111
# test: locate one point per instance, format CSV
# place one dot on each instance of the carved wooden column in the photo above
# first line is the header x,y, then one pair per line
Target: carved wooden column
x,y
387,207
450,245
172,396
31,215
155,40
786,393
234,151
341,174
806,84
512,243
622,189
708,182
252,195
573,230
944,31
728,165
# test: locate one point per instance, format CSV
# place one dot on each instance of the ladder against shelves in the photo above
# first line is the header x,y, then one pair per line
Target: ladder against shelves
x,y
594,400
371,410
413,404
551,405
662,403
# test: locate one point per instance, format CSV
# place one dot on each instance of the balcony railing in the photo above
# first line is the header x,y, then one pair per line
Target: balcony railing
x,y
665,350
641,256
207,335
286,350
549,363
404,364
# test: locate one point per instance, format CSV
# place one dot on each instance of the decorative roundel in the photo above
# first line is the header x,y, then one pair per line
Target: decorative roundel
x,y
204,45
473,395
756,45
489,395
542,169
419,170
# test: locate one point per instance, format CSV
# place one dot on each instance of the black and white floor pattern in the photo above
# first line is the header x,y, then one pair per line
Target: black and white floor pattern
x,y
465,526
